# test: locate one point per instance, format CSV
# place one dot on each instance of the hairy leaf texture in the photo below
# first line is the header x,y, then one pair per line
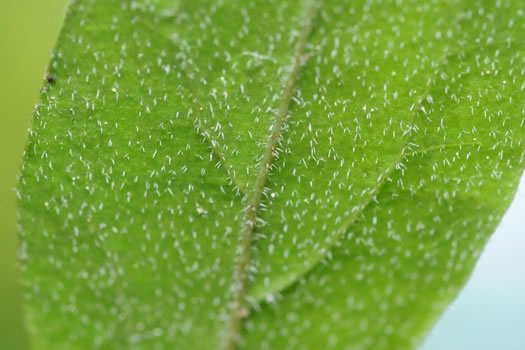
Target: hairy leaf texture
x,y
267,174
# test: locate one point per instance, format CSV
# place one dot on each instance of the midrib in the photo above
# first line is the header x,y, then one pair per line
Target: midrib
x,y
239,308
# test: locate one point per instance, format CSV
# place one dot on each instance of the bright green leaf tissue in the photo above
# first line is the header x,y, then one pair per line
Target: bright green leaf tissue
x,y
285,174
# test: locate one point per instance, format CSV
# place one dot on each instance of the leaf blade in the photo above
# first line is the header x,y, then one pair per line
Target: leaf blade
x,y
148,93
415,247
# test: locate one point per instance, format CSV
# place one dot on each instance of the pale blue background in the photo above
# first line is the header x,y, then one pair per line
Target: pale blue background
x,y
489,313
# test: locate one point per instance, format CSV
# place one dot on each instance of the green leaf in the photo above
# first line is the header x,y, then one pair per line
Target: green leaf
x,y
298,174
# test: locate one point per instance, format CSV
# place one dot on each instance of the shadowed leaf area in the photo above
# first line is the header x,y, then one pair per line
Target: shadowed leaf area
x,y
277,174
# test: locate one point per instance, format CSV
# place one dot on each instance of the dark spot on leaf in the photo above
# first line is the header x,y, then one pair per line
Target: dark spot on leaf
x,y
50,78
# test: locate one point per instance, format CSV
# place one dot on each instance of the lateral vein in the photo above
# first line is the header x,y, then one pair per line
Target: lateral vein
x,y
200,127
405,151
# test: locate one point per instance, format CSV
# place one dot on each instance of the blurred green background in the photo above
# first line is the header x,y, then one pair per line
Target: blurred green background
x,y
489,313
28,30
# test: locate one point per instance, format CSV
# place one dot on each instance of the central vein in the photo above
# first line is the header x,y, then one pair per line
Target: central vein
x,y
239,307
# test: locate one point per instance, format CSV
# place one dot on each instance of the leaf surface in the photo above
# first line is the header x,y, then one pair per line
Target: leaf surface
x,y
294,174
